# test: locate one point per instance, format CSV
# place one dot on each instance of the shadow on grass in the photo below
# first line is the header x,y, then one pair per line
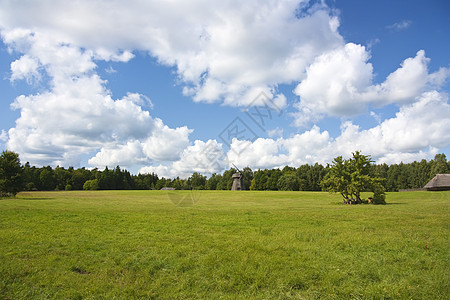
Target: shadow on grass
x,y
33,198
365,204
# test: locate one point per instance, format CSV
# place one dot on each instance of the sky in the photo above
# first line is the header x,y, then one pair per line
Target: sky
x,y
177,87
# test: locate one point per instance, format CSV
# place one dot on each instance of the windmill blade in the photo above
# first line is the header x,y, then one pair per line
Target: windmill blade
x,y
236,168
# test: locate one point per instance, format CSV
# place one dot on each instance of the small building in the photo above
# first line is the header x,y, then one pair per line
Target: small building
x,y
440,182
168,189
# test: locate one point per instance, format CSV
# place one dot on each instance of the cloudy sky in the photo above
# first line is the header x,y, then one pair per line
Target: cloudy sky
x,y
178,86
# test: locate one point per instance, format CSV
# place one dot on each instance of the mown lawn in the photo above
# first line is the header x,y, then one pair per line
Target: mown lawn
x,y
223,244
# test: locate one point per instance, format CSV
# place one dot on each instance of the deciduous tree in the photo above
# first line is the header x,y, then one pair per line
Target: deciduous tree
x,y
10,173
351,177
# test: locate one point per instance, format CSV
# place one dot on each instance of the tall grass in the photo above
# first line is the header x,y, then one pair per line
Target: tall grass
x,y
231,245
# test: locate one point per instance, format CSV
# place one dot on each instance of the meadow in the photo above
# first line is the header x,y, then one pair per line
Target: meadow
x,y
223,245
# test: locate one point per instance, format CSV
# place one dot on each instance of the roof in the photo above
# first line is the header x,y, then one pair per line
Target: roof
x,y
439,182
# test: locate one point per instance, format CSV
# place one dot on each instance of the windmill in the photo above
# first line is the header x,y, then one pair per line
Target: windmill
x,y
237,180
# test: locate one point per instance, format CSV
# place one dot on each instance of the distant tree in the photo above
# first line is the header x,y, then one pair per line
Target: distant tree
x,y
311,176
144,181
10,173
272,181
197,181
61,177
47,181
308,177
259,181
439,165
288,169
78,178
30,177
107,180
424,173
91,185
163,182
213,181
247,177
392,178
288,182
351,177
315,175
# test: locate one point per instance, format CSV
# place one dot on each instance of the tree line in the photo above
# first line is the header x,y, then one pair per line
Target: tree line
x,y
15,177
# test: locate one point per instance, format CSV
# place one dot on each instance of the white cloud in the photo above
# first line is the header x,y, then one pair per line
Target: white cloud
x,y
419,125
400,25
139,99
162,144
334,81
166,144
3,136
227,51
110,70
25,68
127,155
417,131
79,116
203,157
107,55
339,83
262,153
308,147
405,83
222,52
276,132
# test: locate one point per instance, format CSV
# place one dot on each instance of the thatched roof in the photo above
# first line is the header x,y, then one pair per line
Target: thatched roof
x,y
440,182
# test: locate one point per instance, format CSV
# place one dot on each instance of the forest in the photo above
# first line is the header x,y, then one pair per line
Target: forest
x,y
303,178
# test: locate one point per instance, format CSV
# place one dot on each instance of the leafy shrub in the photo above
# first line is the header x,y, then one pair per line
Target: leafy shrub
x,y
91,185
378,195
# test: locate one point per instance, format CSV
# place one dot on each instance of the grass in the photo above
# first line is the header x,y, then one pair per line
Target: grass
x,y
226,245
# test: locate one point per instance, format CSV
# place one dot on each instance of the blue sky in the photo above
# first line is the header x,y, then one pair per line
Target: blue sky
x,y
194,86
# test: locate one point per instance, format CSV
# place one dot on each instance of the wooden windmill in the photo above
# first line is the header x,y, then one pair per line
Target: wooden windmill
x,y
237,180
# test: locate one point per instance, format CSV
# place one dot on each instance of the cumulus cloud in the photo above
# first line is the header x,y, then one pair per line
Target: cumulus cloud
x,y
166,144
417,131
225,51
129,154
79,116
339,83
203,157
222,52
405,83
308,147
333,83
25,68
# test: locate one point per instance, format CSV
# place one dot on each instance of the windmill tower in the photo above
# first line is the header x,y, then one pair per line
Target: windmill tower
x,y
237,180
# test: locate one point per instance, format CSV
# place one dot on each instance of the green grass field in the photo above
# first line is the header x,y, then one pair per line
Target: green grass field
x,y
227,245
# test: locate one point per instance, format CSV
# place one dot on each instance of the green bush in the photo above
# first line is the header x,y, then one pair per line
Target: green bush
x,y
379,197
91,185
